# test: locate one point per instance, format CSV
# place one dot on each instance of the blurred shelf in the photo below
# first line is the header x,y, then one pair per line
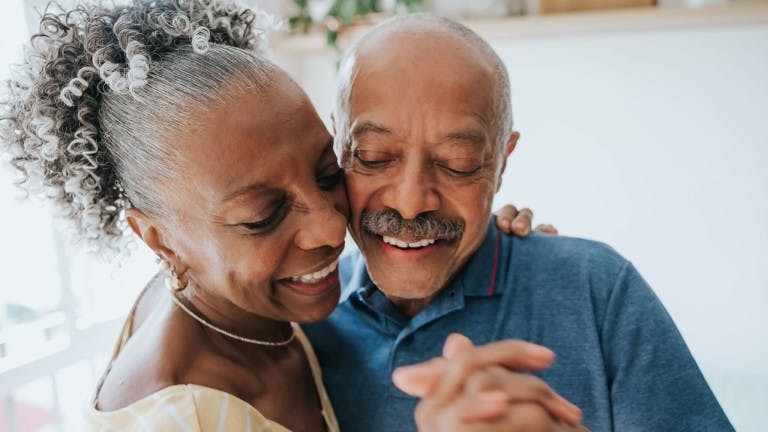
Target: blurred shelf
x,y
735,14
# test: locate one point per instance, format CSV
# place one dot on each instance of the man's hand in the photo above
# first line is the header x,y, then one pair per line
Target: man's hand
x,y
510,220
473,389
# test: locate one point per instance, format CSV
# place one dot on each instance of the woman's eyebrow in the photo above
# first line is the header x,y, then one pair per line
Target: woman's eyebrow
x,y
245,190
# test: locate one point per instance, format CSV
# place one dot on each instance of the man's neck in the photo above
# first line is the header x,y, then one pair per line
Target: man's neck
x,y
411,307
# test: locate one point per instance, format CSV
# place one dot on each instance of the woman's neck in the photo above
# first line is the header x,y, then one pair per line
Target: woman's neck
x,y
225,315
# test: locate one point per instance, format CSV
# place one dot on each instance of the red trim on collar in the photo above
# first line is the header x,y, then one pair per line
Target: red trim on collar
x,y
492,285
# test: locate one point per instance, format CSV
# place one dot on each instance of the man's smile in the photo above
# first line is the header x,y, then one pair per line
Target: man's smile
x,y
405,244
409,249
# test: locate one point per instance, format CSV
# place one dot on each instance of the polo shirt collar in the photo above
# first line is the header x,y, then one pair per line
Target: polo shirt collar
x,y
379,308
479,275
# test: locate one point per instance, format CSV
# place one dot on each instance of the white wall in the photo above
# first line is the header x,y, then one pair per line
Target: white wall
x,y
655,142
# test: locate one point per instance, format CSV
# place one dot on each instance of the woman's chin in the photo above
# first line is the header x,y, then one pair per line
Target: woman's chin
x,y
310,304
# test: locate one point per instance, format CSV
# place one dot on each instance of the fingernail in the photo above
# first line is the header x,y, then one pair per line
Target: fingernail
x,y
575,410
403,372
577,417
542,354
397,374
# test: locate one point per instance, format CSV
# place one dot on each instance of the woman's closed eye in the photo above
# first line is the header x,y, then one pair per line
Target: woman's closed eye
x,y
265,225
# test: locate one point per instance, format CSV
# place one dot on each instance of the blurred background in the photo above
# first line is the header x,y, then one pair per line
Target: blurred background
x,y
644,125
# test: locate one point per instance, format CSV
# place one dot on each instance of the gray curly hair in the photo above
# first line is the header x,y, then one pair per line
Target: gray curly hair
x,y
85,116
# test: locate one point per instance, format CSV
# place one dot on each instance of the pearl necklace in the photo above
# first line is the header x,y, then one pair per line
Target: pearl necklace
x,y
202,321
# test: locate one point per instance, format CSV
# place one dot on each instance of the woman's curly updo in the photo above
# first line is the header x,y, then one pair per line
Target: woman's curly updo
x,y
86,116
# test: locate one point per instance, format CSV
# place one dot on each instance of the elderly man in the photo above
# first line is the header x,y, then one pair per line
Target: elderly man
x,y
423,127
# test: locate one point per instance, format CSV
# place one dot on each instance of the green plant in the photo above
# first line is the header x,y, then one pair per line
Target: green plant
x,y
346,10
343,13
302,21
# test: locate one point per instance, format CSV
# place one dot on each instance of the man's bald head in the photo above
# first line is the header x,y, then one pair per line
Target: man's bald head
x,y
422,41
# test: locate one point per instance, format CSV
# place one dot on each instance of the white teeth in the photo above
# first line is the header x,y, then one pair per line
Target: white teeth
x,y
318,275
405,245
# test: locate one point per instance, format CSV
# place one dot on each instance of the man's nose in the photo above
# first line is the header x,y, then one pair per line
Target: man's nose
x,y
412,191
323,225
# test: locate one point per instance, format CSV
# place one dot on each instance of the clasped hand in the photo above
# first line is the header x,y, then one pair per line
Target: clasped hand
x,y
486,388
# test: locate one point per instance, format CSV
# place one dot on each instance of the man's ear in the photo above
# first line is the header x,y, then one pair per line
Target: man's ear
x,y
508,149
149,231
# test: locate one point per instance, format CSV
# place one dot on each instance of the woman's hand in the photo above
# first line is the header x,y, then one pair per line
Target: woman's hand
x,y
478,388
510,220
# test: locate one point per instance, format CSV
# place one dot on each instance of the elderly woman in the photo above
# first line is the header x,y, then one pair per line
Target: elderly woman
x,y
165,117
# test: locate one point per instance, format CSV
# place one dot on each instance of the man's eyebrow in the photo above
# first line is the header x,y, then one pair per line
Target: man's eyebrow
x,y
368,127
474,136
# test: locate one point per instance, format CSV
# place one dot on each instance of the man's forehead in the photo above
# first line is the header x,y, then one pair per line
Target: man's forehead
x,y
470,130
402,47
434,66
380,102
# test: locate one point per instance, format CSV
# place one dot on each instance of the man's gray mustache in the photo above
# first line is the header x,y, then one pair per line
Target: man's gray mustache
x,y
390,223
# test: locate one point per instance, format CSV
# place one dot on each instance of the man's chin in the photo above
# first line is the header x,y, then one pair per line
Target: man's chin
x,y
407,274
406,285
412,301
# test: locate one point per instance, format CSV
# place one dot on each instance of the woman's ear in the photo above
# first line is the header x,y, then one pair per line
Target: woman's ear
x,y
152,234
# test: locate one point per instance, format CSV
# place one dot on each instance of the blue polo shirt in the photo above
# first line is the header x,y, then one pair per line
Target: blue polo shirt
x,y
620,357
